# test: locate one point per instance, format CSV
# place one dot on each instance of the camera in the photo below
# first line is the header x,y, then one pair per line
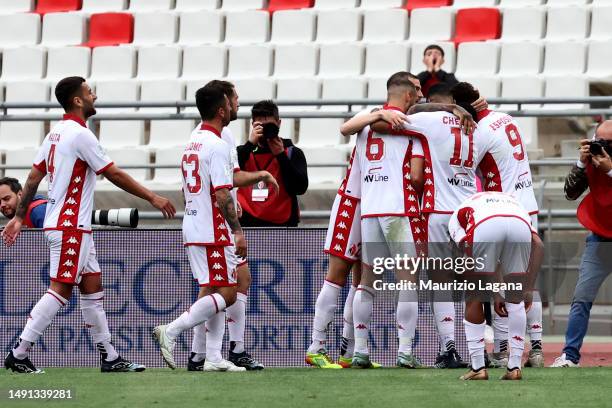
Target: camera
x,y
270,130
118,217
597,147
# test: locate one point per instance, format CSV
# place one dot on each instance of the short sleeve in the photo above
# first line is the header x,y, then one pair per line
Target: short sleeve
x,y
40,159
220,165
90,150
417,147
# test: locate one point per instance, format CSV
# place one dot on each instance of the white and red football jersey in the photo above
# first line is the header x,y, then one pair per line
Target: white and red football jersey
x,y
71,156
481,207
450,160
384,163
206,167
504,164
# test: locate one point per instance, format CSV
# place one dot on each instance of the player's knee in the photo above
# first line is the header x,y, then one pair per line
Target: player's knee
x,y
244,281
229,296
62,289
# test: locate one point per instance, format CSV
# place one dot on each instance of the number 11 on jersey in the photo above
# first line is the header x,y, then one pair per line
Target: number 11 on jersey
x,y
457,159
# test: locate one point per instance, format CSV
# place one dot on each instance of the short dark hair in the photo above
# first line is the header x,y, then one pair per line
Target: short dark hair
x,y
13,183
208,100
226,87
67,89
265,109
440,89
464,92
433,47
401,78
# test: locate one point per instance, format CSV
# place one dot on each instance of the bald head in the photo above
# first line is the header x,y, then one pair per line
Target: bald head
x,y
604,130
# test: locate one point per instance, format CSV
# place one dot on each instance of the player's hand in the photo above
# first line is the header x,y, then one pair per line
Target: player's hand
x,y
270,181
528,299
394,118
276,146
500,306
240,243
585,153
256,133
238,209
480,104
602,162
11,231
467,122
164,205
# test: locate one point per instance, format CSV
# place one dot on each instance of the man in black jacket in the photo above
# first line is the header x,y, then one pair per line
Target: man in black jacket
x,y
433,58
265,150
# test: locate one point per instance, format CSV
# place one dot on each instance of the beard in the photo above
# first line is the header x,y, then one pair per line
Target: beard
x,y
233,115
89,112
8,213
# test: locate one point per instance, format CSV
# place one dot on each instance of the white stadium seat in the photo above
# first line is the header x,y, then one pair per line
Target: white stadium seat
x,y
100,6
63,29
520,58
150,5
601,23
339,26
432,24
377,88
382,59
161,91
121,133
566,87
249,61
169,157
318,132
117,91
155,28
194,5
567,2
385,25
247,27
15,6
477,58
306,88
342,88
523,23
522,87
376,4
17,30
416,64
293,26
341,59
335,4
564,58
600,55
26,91
23,63
21,157
129,157
239,128
296,60
520,3
474,3
324,177
109,63
567,23
159,62
169,133
63,60
242,4
488,86
191,87
255,89
201,27
20,135
204,61
602,2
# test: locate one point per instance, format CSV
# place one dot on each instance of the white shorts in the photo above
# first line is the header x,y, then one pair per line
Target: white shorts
x,y
72,254
344,232
438,237
390,236
213,265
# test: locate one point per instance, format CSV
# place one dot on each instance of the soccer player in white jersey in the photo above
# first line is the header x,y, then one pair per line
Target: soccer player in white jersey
x,y
71,157
495,231
504,166
208,338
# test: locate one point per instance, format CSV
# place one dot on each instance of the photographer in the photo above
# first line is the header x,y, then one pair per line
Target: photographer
x,y
593,171
265,150
433,58
10,196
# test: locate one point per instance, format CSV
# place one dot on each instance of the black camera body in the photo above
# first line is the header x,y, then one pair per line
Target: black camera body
x,y
597,147
270,131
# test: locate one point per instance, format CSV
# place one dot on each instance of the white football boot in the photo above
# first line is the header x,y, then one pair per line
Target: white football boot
x,y
222,365
166,345
562,361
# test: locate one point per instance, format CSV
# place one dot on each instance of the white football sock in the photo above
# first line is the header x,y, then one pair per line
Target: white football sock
x,y
474,335
348,330
236,322
517,320
325,307
40,318
362,315
534,320
95,319
444,313
202,310
215,329
198,344
500,333
406,316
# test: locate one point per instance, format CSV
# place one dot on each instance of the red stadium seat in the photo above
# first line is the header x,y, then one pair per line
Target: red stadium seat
x,y
276,5
414,4
57,6
477,24
110,29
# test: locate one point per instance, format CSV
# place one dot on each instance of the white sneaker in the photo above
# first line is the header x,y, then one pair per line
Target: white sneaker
x,y
222,365
166,345
562,361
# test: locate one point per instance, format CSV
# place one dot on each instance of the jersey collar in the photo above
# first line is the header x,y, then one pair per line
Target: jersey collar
x,y
481,115
390,107
70,116
204,126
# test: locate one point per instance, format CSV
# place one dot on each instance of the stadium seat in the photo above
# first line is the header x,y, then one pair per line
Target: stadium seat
x,y
109,63
600,55
324,177
385,25
150,5
416,64
382,59
477,24
117,91
304,88
204,61
239,127
14,135
523,23
342,88
17,30
520,3
191,87
277,5
57,6
296,60
341,59
287,128
110,29
335,4
488,86
15,6
255,89
602,2
567,23
23,63
522,87
247,27
26,91
249,61
564,58
159,62
240,5
195,5
567,2
121,134
416,4
169,157
520,58
63,60
431,24
477,58
63,29
161,91
474,3
601,23
128,157
329,21
201,27
155,28
377,88
103,6
20,157
376,4
293,26
319,132
566,87
169,133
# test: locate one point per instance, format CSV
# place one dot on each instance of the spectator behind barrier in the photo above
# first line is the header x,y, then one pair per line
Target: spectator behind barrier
x,y
265,150
433,58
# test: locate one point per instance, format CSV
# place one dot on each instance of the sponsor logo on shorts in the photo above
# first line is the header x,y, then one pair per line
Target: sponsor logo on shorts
x,y
218,278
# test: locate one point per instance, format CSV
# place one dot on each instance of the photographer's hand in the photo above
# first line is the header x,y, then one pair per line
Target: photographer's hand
x,y
585,154
256,133
276,146
603,162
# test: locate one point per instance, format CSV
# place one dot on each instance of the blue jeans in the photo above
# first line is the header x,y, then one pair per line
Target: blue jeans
x,y
595,266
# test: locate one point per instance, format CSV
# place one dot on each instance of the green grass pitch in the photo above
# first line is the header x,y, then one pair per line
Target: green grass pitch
x,y
303,387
